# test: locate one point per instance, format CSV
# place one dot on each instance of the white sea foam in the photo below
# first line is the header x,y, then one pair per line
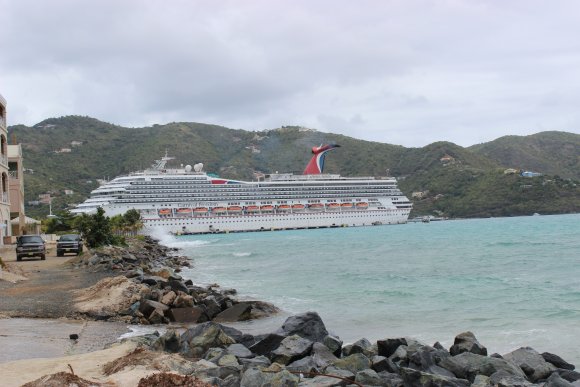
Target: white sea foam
x,y
241,254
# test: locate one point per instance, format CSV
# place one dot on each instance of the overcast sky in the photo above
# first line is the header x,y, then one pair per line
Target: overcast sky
x,y
402,72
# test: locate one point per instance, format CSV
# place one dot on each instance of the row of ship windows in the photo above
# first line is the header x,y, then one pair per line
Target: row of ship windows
x,y
259,219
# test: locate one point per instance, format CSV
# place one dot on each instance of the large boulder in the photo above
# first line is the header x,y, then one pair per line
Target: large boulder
x,y
417,378
368,378
361,346
425,358
333,343
556,381
254,377
291,349
353,363
308,325
322,355
504,379
284,379
557,361
196,341
467,365
466,342
192,314
238,312
306,365
240,351
387,347
531,362
265,344
382,364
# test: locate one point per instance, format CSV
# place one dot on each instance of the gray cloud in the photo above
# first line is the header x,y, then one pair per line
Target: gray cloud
x,y
403,72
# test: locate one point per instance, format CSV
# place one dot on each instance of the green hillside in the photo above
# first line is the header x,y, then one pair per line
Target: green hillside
x,y
467,182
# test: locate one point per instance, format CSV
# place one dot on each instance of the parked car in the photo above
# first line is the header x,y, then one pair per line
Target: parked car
x,y
30,246
69,243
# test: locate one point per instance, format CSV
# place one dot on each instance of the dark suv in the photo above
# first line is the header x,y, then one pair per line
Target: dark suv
x,y
30,246
69,243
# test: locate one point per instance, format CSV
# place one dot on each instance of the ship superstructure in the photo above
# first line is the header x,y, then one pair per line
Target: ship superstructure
x,y
189,200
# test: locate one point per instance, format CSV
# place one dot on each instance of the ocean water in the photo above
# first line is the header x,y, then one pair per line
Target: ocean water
x,y
511,281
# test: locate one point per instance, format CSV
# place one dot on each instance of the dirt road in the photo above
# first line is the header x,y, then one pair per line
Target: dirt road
x,y
47,292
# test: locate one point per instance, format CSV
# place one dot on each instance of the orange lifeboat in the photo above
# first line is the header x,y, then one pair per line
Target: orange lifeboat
x,y
298,207
333,206
164,211
252,209
267,207
184,211
219,210
346,205
200,210
234,209
316,206
284,207
362,205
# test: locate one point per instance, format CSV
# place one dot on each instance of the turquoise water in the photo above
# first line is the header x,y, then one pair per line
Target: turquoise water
x,y
512,281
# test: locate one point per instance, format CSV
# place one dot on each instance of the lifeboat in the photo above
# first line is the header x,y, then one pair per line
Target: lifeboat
x,y
200,210
234,209
298,207
252,209
362,205
219,210
267,207
346,205
164,211
333,206
284,207
316,206
184,211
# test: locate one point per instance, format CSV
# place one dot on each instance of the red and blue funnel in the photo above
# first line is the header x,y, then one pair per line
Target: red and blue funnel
x,y
316,164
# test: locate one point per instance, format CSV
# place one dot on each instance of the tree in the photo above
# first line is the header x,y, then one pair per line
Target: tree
x,y
95,228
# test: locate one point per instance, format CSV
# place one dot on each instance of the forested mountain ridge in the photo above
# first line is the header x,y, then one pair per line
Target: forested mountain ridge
x,y
73,152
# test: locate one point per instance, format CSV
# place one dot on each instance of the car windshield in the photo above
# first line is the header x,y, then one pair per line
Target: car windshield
x,y
69,237
30,239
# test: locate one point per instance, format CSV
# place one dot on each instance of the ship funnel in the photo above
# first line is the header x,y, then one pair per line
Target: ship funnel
x,y
316,164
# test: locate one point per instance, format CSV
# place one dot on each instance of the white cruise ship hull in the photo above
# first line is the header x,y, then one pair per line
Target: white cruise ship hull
x,y
265,222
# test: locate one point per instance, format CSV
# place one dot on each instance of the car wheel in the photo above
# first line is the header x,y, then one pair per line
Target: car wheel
x,y
59,253
18,258
43,257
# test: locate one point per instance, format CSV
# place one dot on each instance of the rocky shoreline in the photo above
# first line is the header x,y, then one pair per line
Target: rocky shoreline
x,y
302,352
149,289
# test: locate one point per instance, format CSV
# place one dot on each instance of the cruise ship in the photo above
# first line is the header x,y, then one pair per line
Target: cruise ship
x,y
188,200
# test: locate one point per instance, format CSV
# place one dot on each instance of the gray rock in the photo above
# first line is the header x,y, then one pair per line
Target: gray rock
x,y
333,343
157,317
307,325
369,378
361,346
212,306
284,379
557,361
306,365
504,379
568,375
148,306
467,365
466,342
230,381
224,372
254,377
266,344
381,364
340,373
228,360
425,358
196,341
291,349
481,381
400,354
214,354
322,381
391,380
240,351
169,342
417,378
353,363
531,362
556,381
387,347
238,312
256,362
322,355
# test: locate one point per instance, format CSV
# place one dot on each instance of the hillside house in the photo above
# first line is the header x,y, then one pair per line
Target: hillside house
x,y
510,171
44,198
447,159
419,194
530,174
76,143
69,192
63,150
